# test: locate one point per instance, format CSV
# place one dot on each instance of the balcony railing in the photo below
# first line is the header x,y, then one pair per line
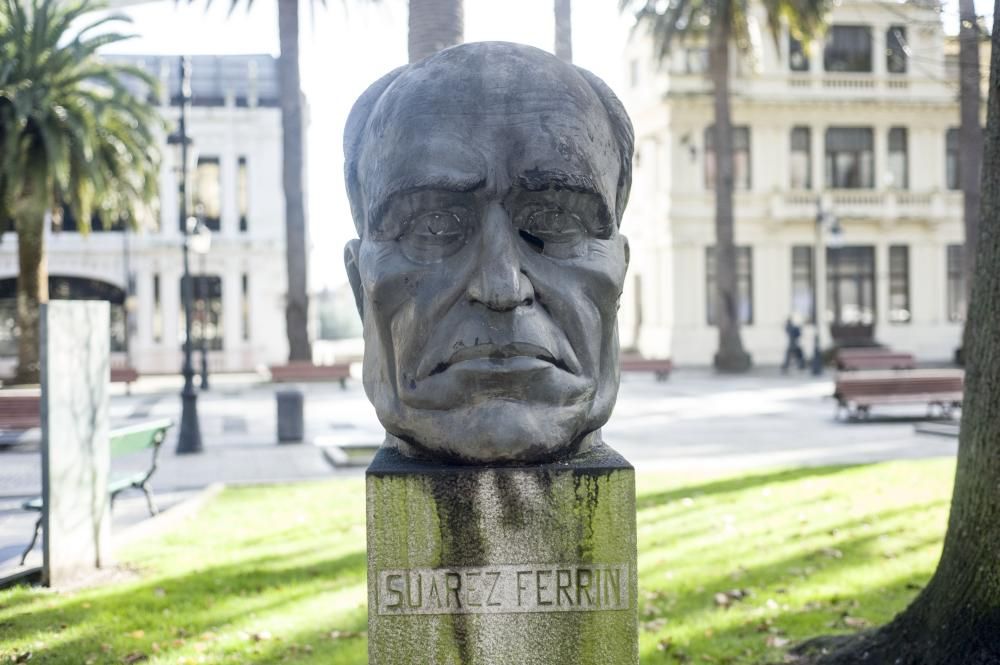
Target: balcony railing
x,y
794,205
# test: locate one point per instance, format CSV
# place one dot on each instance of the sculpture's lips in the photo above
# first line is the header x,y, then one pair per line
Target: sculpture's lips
x,y
516,356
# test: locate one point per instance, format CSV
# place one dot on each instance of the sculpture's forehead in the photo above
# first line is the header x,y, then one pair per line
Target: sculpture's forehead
x,y
487,119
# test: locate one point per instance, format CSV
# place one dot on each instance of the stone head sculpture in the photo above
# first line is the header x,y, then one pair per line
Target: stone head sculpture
x,y
487,185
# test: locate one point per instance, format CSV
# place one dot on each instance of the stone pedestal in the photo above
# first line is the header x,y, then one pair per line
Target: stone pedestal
x,y
75,372
525,565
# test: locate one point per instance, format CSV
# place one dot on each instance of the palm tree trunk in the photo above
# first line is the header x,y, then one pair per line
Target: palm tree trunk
x,y
296,252
32,290
956,619
970,135
731,357
564,30
435,25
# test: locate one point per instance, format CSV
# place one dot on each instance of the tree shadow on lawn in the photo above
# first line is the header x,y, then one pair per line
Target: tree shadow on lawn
x,y
739,484
177,612
761,626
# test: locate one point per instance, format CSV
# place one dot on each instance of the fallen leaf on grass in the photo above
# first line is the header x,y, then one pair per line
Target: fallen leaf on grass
x,y
22,657
654,625
727,598
776,641
135,657
343,634
856,622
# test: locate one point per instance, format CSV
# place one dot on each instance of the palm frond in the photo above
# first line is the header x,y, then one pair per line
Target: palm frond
x,y
71,131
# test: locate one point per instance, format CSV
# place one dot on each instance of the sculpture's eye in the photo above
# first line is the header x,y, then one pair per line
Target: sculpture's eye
x,y
554,232
432,236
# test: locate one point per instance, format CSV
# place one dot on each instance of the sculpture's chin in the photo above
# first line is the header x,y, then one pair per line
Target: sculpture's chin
x,y
501,432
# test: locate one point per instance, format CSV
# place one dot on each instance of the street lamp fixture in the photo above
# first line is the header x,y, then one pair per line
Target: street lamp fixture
x,y
189,437
826,222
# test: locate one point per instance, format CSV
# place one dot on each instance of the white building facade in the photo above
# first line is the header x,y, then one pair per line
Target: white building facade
x,y
235,183
863,124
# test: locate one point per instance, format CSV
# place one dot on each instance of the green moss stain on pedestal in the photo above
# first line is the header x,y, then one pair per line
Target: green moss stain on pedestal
x,y
530,544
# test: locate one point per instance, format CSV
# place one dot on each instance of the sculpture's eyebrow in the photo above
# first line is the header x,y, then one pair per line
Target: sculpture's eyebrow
x,y
422,182
541,181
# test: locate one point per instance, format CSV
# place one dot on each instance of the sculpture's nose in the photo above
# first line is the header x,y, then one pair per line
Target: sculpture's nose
x,y
498,282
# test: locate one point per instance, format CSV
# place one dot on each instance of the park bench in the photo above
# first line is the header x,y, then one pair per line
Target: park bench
x,y
857,392
873,358
660,367
300,371
20,409
123,441
124,374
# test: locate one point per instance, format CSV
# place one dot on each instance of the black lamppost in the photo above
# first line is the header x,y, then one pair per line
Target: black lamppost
x,y
201,242
189,437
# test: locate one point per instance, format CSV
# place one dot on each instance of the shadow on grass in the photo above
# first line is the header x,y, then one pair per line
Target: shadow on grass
x,y
739,484
174,612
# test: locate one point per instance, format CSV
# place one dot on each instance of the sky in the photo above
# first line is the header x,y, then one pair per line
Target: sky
x,y
347,44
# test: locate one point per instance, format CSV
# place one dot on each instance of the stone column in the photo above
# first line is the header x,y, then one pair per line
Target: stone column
x,y
533,565
75,372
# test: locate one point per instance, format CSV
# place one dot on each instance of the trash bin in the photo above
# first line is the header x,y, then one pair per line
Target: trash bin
x,y
290,418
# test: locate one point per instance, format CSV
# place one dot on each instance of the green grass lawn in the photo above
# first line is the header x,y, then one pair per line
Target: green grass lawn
x,y
731,570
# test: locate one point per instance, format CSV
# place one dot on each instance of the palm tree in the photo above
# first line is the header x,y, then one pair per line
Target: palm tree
x,y
970,133
723,24
564,30
72,137
435,25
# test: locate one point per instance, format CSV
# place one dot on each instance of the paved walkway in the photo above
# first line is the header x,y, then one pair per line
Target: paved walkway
x,y
694,421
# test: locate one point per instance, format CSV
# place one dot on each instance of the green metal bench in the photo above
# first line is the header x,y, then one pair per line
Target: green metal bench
x,y
124,440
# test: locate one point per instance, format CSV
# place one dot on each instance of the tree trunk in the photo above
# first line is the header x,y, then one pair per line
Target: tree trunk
x,y
292,135
435,25
970,135
956,619
731,357
564,30
32,290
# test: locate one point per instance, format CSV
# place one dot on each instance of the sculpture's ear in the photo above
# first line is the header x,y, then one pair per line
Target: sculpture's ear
x,y
351,251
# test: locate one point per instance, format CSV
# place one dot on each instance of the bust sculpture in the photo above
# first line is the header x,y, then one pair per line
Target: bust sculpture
x,y
487,184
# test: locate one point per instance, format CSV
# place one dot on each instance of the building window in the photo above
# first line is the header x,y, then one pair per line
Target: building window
x,y
800,159
741,158
744,285
157,323
207,195
850,285
953,166
899,284
956,283
803,284
243,192
850,158
798,59
695,60
899,172
848,49
206,293
245,307
895,50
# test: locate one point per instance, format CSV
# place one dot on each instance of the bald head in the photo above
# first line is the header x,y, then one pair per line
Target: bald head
x,y
487,115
